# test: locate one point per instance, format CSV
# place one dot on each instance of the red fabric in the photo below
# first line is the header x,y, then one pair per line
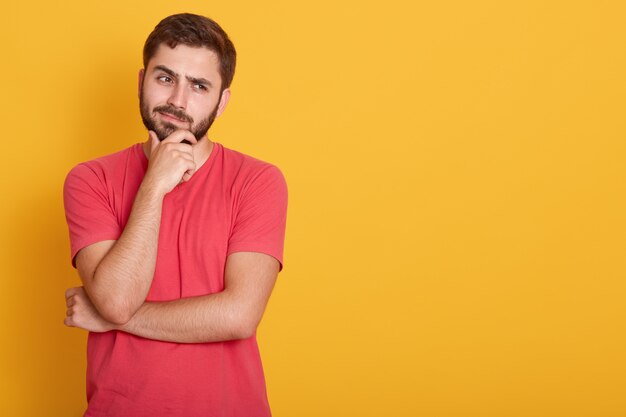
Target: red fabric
x,y
232,203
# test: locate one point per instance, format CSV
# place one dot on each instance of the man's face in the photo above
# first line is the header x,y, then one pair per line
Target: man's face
x,y
180,89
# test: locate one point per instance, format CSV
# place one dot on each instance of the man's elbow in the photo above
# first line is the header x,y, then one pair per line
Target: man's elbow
x,y
245,327
112,305
115,312
119,319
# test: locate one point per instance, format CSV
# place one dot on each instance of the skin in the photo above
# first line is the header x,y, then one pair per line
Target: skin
x,y
183,82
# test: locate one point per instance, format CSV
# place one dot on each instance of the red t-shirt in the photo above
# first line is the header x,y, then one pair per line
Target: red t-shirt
x,y
233,203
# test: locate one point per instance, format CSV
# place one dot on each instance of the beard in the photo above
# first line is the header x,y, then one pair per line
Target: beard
x,y
164,129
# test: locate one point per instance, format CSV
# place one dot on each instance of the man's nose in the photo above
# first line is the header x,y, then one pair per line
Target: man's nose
x,y
178,97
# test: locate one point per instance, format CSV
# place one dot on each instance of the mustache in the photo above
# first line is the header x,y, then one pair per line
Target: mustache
x,y
173,111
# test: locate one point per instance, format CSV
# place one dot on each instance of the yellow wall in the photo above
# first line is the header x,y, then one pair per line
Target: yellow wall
x,y
457,197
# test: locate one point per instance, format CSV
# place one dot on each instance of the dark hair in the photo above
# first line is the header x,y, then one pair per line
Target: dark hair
x,y
196,31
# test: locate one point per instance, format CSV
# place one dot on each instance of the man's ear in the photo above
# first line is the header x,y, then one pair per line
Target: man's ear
x,y
223,101
140,82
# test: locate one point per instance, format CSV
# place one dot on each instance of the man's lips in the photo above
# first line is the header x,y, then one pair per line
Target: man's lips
x,y
170,117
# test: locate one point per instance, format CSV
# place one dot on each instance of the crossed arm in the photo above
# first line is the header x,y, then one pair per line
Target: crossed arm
x,y
117,275
231,314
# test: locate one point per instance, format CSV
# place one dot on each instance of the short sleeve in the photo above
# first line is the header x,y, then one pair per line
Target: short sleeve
x,y
88,211
260,220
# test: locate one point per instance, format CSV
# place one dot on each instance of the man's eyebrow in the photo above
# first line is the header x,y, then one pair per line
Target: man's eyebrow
x,y
166,70
191,79
195,80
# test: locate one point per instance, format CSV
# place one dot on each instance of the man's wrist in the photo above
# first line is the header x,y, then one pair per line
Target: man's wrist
x,y
148,192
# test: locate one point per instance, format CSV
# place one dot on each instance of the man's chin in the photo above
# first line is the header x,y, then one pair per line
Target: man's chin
x,y
165,130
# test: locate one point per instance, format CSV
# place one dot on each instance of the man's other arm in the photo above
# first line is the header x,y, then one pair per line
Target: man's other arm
x,y
231,314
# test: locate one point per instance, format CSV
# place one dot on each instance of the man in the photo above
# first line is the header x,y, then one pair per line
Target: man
x,y
178,242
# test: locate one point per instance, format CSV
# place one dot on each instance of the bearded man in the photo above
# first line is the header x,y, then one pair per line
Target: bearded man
x,y
178,242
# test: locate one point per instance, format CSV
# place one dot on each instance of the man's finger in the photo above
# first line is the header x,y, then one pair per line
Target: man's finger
x,y
180,135
154,140
71,291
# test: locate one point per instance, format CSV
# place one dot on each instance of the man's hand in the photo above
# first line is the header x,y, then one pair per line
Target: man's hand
x,y
171,162
81,312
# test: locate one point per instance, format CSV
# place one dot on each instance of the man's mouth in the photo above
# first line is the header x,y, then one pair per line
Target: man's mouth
x,y
171,117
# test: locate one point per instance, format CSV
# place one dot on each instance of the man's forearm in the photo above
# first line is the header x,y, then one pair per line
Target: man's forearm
x,y
233,313
122,279
208,318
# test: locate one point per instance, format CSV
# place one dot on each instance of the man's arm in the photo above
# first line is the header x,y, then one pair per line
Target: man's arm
x,y
117,274
231,314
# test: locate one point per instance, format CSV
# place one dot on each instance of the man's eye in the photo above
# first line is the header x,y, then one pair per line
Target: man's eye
x,y
165,79
200,87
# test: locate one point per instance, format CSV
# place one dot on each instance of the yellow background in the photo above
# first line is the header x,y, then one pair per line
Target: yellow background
x,y
456,227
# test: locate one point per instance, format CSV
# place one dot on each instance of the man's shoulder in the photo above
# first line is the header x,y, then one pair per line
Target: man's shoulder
x,y
110,163
251,176
107,170
246,165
